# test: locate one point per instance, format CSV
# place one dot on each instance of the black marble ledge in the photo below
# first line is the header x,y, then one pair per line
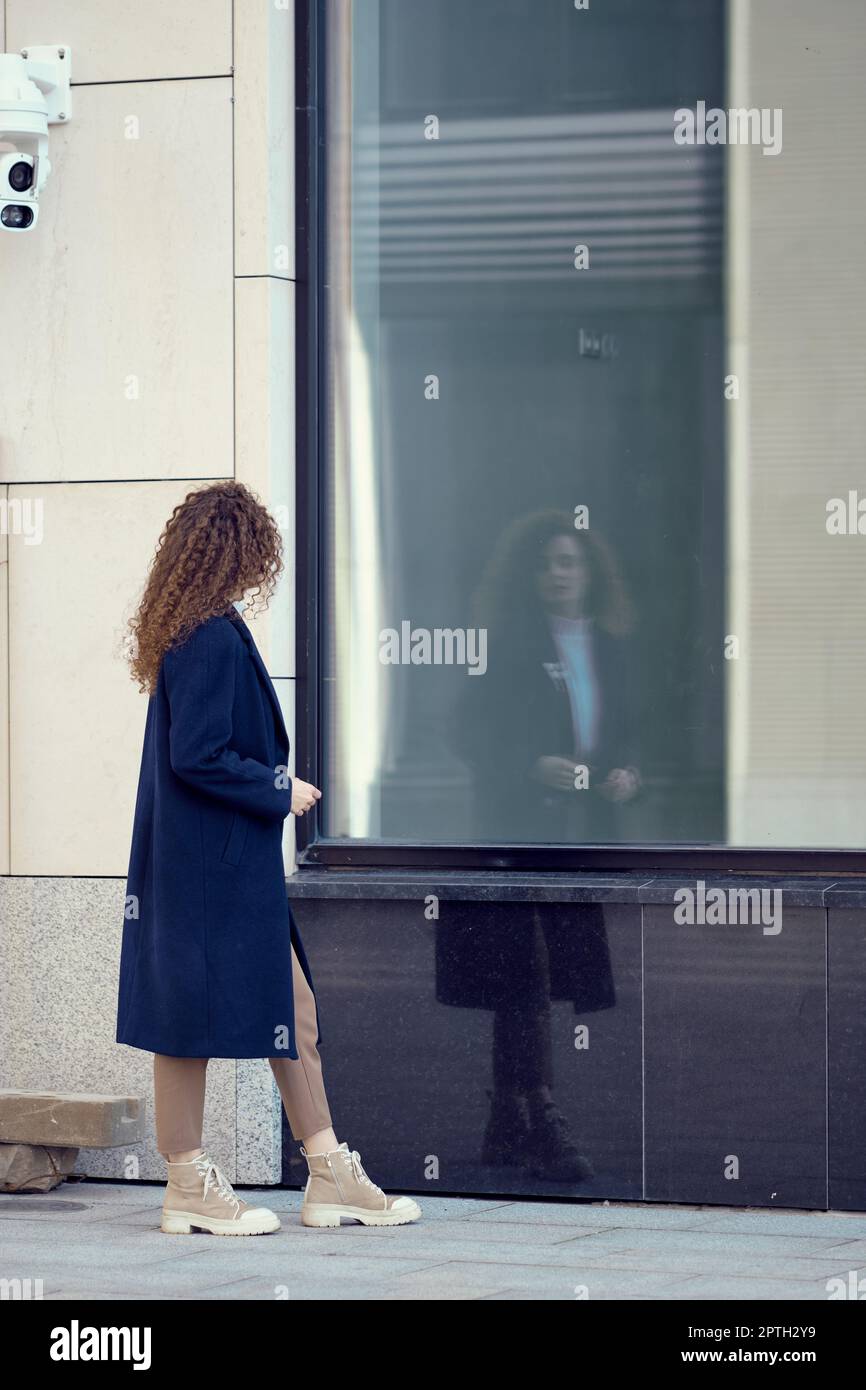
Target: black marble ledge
x,y
799,890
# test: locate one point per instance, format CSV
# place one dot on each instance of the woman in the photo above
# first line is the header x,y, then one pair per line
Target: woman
x,y
549,730
212,963
549,735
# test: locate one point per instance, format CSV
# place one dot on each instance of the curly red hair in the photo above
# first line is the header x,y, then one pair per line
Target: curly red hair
x,y
218,544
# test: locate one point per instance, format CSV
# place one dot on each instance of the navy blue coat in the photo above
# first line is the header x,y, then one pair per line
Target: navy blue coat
x,y
206,965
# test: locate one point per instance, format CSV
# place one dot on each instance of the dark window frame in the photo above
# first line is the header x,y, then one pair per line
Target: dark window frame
x,y
315,850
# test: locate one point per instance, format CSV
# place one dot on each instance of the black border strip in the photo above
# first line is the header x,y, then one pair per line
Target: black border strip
x,y
309,231
577,858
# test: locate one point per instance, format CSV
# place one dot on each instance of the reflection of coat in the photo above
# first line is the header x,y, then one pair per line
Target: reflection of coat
x,y
504,955
518,955
206,966
518,711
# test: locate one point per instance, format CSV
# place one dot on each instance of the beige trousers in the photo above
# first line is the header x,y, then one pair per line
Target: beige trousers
x,y
179,1083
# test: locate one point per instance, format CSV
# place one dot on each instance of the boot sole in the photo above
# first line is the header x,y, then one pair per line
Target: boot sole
x,y
182,1223
321,1215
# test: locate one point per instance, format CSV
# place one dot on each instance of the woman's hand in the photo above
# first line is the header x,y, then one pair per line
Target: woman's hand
x,y
555,772
620,784
304,795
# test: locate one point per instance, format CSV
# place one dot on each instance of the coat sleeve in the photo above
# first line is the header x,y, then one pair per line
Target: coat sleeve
x,y
200,682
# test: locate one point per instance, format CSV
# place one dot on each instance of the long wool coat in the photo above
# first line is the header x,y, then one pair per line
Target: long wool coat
x,y
206,965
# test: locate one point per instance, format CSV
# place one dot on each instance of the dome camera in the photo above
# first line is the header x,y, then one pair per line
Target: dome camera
x,y
34,93
18,176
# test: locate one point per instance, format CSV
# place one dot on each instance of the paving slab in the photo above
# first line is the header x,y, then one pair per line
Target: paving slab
x,y
595,1215
710,1288
101,1241
604,1242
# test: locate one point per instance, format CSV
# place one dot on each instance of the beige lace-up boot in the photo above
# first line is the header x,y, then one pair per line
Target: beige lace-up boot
x,y
199,1195
338,1187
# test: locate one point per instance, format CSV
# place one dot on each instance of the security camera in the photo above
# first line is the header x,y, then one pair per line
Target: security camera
x,y
34,93
18,177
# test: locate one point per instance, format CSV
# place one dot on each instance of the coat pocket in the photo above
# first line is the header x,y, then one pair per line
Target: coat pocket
x,y
237,839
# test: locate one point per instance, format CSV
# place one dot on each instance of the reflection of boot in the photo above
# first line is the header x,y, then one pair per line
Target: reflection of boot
x,y
507,1129
551,1151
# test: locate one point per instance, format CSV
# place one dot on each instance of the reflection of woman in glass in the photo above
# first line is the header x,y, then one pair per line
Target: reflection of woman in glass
x,y
548,735
547,729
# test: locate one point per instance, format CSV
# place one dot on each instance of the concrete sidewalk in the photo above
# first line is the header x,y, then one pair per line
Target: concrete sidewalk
x,y
94,1240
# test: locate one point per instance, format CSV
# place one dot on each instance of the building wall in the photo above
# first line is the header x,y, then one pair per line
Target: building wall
x,y
155,308
797,309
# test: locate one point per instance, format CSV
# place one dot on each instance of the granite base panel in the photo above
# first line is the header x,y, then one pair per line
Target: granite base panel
x,y
719,1062
60,946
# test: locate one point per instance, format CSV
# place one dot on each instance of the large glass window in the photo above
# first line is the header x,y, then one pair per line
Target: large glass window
x,y
592,422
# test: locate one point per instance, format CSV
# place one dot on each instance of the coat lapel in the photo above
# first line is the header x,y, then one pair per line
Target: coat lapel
x,y
260,666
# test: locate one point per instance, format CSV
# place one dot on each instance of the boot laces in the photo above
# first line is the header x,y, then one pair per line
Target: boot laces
x,y
354,1158
214,1177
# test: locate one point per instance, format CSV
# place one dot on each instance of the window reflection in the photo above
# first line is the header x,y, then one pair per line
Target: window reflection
x,y
541,306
